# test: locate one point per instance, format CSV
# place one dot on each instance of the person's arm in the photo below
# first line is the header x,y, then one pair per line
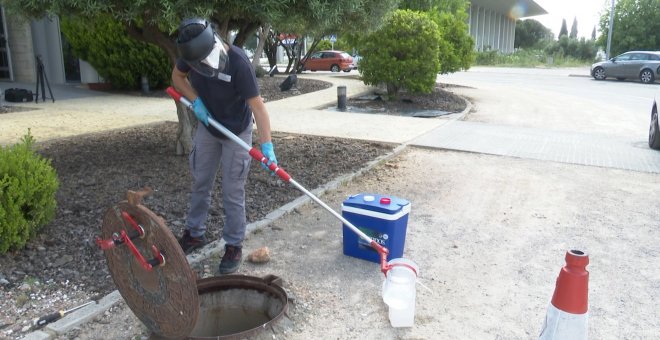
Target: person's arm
x,y
181,84
261,117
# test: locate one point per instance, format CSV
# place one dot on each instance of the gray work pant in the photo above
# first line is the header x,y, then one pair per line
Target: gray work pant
x,y
207,155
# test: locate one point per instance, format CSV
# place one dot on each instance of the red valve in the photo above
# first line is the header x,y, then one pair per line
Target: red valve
x,y
385,200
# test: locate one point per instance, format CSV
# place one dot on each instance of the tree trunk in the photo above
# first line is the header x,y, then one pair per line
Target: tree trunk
x,y
263,35
185,131
246,30
299,66
187,120
271,48
392,91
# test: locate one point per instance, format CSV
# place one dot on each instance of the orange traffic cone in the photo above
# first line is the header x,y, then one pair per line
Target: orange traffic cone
x,y
567,314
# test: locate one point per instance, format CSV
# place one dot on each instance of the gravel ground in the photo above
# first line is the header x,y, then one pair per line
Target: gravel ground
x,y
62,267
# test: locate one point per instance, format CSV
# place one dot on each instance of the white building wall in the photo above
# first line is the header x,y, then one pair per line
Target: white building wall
x,y
47,43
20,48
491,29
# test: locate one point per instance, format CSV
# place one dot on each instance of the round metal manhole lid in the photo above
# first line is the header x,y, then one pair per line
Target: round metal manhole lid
x,y
165,298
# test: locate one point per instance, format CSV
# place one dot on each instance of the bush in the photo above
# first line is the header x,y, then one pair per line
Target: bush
x,y
118,58
403,54
488,57
323,45
27,193
573,48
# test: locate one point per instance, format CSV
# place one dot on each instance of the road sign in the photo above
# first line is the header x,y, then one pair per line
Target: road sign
x,y
333,38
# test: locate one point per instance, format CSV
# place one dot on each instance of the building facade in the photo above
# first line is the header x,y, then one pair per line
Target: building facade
x,y
493,22
23,43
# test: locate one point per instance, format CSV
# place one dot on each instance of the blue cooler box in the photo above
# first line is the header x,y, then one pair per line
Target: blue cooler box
x,y
383,218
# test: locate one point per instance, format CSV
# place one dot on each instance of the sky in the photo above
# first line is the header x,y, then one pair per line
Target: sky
x,y
587,13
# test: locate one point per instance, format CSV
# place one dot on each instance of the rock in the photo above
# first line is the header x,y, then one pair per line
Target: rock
x,y
261,255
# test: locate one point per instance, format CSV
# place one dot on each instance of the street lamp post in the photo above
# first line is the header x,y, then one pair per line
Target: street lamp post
x,y
609,31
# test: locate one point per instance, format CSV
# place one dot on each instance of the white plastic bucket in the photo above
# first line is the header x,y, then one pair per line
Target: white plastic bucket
x,y
399,292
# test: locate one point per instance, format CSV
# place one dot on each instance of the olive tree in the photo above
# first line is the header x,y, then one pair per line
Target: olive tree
x,y
402,54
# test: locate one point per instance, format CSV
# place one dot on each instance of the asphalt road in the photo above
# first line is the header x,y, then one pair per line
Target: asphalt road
x,y
558,99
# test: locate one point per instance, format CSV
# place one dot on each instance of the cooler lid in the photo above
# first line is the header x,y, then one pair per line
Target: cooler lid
x,y
165,298
386,204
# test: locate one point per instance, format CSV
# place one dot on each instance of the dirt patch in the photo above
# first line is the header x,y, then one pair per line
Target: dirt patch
x,y
440,100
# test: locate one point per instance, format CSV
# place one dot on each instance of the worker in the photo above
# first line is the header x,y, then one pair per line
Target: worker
x,y
219,80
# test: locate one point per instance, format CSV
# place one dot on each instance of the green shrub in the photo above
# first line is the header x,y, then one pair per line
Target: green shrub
x,y
118,58
488,57
27,193
323,45
403,54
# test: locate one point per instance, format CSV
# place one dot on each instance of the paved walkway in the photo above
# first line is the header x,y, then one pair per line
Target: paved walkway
x,y
77,111
541,144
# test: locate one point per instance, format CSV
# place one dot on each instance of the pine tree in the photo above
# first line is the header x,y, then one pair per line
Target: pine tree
x,y
564,30
574,27
593,34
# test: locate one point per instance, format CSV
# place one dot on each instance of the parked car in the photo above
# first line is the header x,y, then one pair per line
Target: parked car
x,y
356,61
654,129
334,61
642,65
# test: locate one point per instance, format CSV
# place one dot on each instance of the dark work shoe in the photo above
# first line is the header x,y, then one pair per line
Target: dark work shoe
x,y
231,260
189,243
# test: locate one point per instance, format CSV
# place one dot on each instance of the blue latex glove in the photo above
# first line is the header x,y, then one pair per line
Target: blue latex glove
x,y
267,150
200,111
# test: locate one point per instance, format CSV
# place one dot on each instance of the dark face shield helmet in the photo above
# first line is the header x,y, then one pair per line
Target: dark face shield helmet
x,y
201,48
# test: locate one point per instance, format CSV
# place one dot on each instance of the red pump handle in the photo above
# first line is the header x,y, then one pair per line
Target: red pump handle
x,y
173,93
383,252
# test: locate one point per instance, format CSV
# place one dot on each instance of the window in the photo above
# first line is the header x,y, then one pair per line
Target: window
x,y
624,57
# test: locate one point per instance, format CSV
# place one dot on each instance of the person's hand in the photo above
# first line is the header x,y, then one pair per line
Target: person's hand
x,y
200,111
267,150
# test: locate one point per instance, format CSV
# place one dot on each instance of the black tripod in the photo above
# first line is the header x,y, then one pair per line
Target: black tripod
x,y
43,80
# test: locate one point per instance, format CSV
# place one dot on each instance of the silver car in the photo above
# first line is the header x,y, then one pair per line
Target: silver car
x,y
642,65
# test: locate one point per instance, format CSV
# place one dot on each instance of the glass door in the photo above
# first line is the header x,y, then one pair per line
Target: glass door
x,y
71,62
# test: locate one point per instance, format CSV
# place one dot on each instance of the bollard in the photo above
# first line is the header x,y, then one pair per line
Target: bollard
x,y
341,98
144,82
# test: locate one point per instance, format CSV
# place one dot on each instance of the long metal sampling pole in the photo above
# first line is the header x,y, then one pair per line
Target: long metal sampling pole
x,y
257,155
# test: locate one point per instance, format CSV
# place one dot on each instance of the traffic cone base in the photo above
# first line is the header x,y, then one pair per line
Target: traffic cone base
x,y
562,325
